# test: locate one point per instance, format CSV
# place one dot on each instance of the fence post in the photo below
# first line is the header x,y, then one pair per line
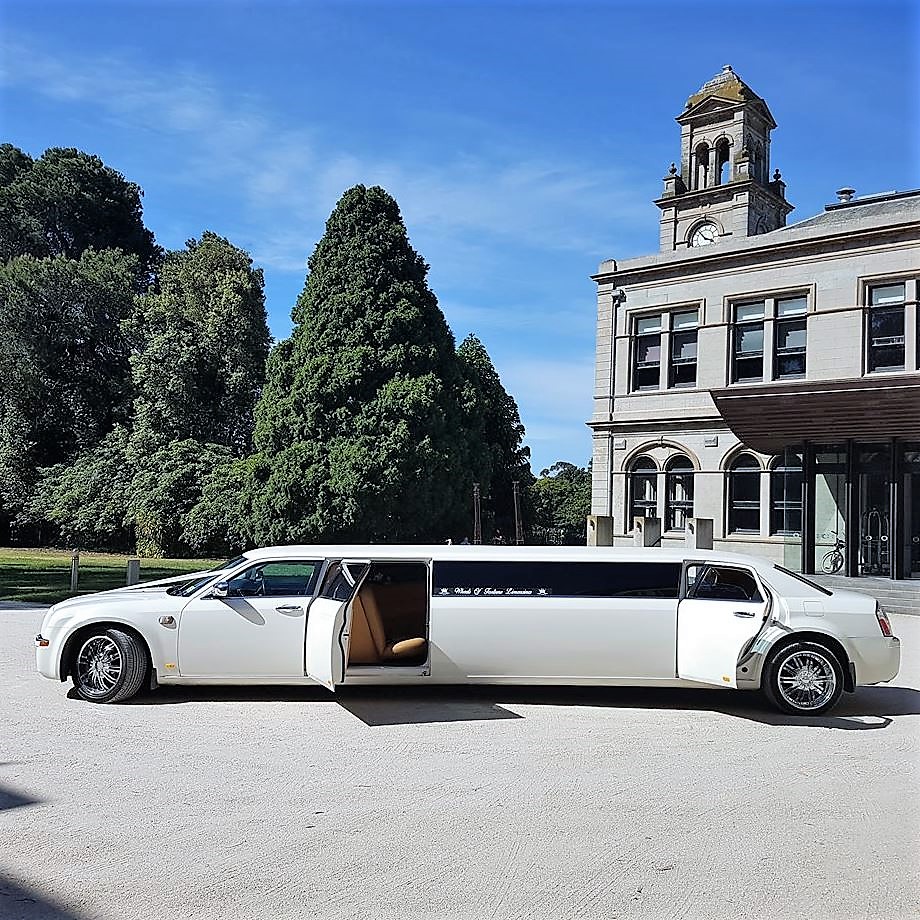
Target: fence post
x,y
134,571
74,569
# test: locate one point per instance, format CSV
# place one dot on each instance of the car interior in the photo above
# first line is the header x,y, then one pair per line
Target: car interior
x,y
390,616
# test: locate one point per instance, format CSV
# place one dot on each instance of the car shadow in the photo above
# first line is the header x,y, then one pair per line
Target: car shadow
x,y
868,709
20,903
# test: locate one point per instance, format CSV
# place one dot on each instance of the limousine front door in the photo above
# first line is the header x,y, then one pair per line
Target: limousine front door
x,y
722,608
329,625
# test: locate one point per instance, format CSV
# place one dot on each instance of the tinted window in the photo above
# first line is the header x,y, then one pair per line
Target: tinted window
x,y
337,586
725,584
556,579
274,579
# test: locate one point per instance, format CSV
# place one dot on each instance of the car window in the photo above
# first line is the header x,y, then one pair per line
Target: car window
x,y
722,583
289,578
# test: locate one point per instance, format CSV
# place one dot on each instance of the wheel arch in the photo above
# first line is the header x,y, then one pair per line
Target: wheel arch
x,y
820,638
69,648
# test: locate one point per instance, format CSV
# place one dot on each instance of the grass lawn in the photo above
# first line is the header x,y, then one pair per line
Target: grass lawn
x,y
43,575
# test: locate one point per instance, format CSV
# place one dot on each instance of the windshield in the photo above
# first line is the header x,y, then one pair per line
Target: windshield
x,y
188,588
229,564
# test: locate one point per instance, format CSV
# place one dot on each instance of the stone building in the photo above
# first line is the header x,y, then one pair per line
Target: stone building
x,y
759,374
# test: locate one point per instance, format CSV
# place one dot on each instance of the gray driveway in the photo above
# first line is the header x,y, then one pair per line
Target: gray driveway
x,y
289,803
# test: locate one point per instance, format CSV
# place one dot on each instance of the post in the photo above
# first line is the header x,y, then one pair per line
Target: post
x,y
74,569
134,572
477,518
648,531
518,527
699,533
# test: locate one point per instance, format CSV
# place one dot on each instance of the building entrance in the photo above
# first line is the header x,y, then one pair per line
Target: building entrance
x,y
862,510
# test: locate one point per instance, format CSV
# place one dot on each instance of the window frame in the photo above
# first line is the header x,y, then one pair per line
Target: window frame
x,y
772,323
873,310
650,473
672,506
731,505
780,507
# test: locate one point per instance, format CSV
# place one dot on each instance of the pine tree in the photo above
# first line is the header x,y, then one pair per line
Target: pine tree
x,y
360,428
495,427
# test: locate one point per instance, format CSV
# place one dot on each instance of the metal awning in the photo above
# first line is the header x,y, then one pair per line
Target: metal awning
x,y
772,416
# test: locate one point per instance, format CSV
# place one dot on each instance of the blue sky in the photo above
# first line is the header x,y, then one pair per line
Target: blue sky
x,y
524,141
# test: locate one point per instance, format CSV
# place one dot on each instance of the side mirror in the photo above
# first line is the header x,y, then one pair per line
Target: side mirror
x,y
221,589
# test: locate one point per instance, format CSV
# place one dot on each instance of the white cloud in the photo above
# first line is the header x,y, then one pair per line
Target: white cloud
x,y
287,177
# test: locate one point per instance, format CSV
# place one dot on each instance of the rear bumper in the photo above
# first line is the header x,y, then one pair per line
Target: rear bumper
x,y
876,659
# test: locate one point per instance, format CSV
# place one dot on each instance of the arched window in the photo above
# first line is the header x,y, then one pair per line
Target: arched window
x,y
678,493
786,480
723,167
744,495
702,166
643,489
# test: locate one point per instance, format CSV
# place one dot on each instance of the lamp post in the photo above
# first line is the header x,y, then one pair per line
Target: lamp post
x,y
518,528
477,517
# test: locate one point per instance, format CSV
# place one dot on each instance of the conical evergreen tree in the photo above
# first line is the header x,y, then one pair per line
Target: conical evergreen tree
x,y
495,426
360,430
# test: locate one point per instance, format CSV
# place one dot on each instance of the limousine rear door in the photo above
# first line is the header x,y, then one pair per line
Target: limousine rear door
x,y
722,608
329,624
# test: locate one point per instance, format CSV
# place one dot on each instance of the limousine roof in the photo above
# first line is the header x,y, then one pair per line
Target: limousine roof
x,y
458,552
787,583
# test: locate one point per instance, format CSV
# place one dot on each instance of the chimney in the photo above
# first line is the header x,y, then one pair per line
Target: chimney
x,y
845,194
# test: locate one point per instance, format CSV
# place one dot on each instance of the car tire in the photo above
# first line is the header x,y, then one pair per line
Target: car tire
x,y
804,679
109,666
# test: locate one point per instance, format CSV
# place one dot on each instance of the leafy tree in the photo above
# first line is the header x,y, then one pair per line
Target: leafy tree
x,y
127,492
67,202
561,500
87,500
201,345
64,373
496,434
359,426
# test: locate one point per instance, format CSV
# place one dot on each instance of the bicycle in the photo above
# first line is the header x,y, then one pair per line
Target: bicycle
x,y
833,560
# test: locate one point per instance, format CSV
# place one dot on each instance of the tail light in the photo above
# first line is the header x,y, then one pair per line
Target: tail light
x,y
883,621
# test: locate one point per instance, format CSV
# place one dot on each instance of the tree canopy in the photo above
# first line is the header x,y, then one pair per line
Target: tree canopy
x,y
67,202
561,500
200,345
64,374
360,419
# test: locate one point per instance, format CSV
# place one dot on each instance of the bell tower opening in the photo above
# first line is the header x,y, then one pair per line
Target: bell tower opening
x,y
724,166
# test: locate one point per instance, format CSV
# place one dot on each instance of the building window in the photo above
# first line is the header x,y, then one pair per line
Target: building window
x,y
747,335
744,495
682,369
885,326
643,486
647,367
678,493
790,338
786,481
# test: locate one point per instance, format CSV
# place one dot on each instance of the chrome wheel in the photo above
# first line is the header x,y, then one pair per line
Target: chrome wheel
x,y
807,680
100,664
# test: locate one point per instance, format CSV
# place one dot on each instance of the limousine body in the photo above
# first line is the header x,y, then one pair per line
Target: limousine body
x,y
472,615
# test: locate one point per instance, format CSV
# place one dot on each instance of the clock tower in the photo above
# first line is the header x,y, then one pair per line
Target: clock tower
x,y
723,189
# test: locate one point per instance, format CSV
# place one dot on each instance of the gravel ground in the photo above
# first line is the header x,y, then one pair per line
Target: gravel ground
x,y
487,803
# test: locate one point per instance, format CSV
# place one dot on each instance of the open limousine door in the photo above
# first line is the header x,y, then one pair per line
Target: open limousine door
x,y
329,624
721,609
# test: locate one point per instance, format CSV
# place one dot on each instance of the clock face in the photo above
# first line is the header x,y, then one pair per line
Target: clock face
x,y
704,235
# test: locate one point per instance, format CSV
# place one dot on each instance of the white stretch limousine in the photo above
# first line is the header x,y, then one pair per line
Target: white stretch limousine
x,y
476,615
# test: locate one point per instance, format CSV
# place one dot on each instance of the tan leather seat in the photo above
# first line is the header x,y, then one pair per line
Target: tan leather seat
x,y
369,643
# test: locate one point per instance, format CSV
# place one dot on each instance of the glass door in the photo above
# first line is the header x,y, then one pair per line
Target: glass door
x,y
912,511
830,509
874,472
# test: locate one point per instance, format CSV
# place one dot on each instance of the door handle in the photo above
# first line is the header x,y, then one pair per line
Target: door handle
x,y
749,614
294,608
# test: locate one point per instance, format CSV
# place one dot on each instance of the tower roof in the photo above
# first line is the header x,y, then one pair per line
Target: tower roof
x,y
726,85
